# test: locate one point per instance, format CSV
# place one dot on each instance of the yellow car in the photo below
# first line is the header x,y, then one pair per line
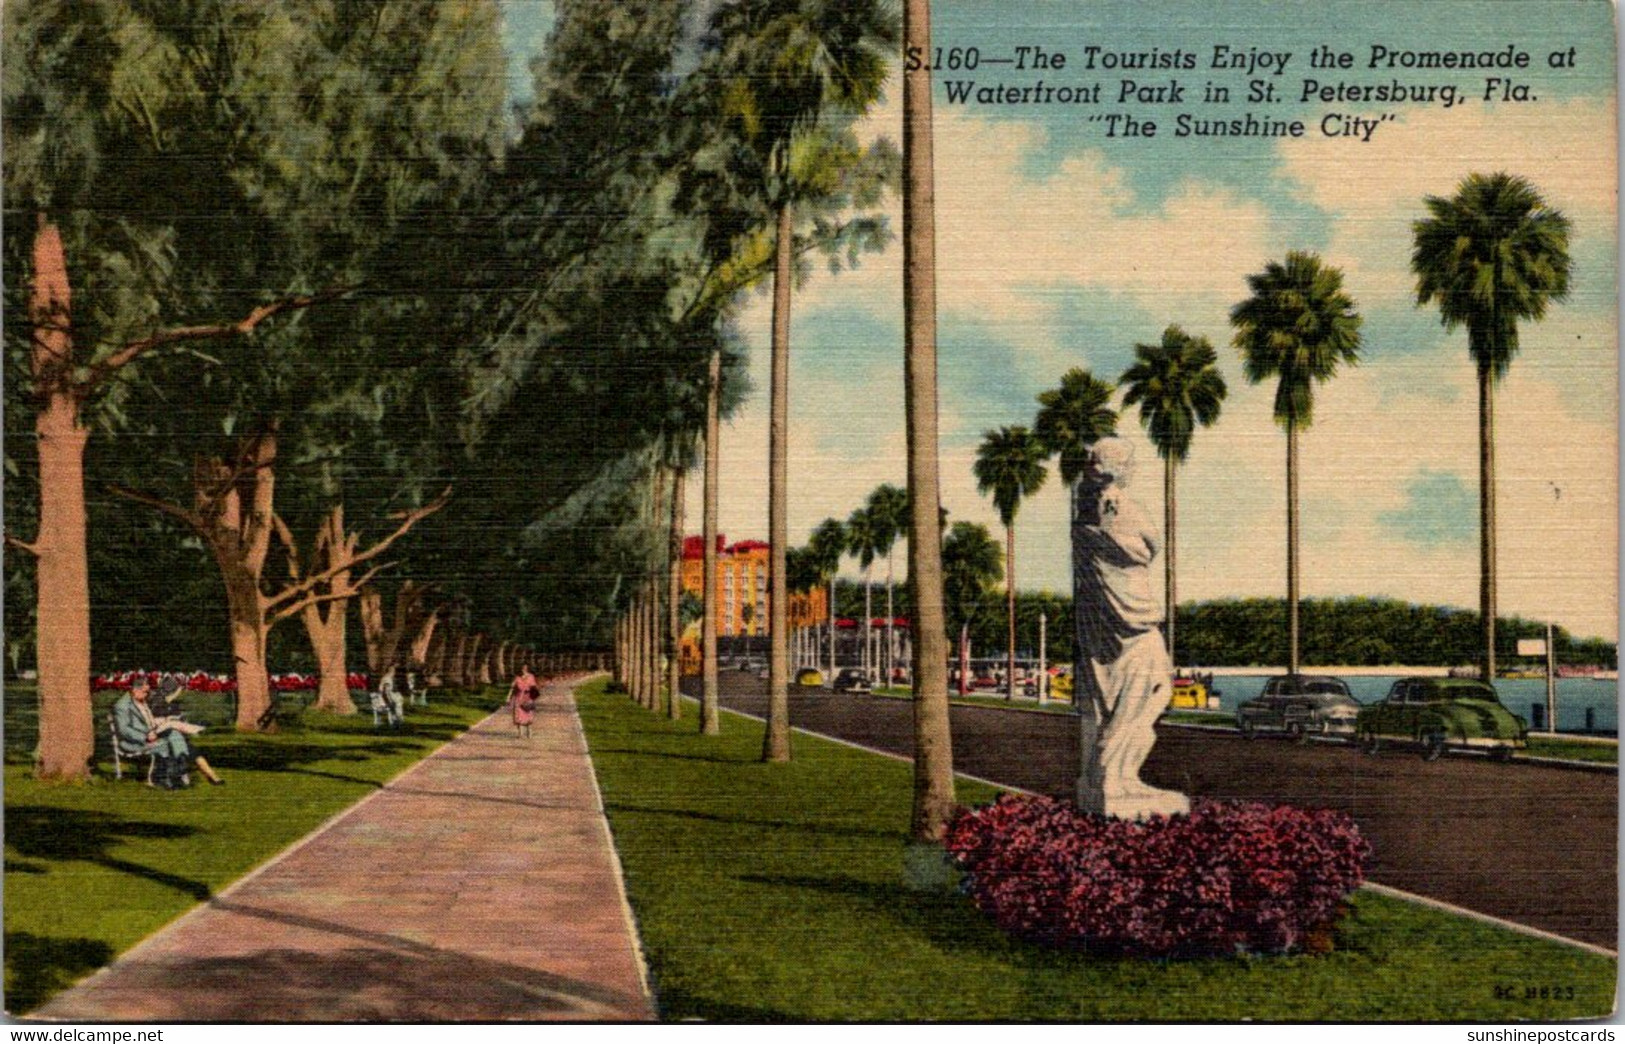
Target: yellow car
x,y
809,676
1190,694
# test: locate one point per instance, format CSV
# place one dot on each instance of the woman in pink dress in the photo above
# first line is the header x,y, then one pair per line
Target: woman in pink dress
x,y
522,697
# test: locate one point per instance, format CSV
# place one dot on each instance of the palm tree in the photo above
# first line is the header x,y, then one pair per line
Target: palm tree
x,y
797,60
970,566
1177,386
1010,465
710,715
828,545
1491,255
1074,417
888,513
933,741
863,542
1297,326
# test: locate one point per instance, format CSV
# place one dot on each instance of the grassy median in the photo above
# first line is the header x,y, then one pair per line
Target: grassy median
x,y
91,869
774,893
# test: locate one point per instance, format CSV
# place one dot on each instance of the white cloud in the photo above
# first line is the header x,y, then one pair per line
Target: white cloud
x,y
1011,246
1374,190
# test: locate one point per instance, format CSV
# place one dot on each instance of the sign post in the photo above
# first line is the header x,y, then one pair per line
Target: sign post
x,y
1043,668
1546,647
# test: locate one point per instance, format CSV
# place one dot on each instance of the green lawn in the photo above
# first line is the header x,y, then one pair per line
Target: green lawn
x,y
974,700
773,892
91,869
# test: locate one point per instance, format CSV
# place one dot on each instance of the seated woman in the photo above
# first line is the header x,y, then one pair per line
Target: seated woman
x,y
142,732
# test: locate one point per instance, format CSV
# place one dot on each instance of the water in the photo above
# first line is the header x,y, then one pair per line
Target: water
x,y
1574,696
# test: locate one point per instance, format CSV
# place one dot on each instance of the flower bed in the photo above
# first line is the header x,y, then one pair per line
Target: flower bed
x,y
1229,877
198,681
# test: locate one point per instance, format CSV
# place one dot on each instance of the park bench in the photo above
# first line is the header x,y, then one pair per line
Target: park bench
x,y
118,756
285,708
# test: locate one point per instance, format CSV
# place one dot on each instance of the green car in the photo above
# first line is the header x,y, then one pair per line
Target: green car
x,y
1436,713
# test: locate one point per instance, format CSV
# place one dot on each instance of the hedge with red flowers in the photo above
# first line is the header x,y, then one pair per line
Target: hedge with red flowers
x,y
1229,877
198,681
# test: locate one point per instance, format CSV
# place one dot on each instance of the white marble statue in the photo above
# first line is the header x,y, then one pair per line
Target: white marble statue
x,y
1123,676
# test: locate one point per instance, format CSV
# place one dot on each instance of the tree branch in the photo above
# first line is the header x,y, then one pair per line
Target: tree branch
x,y
174,511
17,544
132,350
312,598
314,580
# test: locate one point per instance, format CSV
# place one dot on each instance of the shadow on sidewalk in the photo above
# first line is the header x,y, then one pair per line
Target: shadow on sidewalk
x,y
375,976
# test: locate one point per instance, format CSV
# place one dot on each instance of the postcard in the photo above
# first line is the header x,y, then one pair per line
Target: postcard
x,y
810,511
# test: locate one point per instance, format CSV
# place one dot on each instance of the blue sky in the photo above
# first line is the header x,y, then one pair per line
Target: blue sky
x,y
1060,247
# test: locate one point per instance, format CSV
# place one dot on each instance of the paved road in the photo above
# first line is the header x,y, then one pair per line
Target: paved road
x,y
1528,843
480,884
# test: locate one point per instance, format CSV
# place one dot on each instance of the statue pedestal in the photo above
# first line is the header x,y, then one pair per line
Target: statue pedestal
x,y
1131,800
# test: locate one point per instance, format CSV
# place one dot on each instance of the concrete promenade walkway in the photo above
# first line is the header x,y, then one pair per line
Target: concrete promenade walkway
x,y
480,884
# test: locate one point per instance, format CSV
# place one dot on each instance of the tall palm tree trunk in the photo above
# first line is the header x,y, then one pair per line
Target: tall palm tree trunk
x,y
674,595
776,741
891,617
1486,519
830,677
933,744
868,625
1010,611
1292,546
1172,595
710,721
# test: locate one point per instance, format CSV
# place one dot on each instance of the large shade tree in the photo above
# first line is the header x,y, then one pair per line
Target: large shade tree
x,y
1010,466
1299,327
1177,385
1493,255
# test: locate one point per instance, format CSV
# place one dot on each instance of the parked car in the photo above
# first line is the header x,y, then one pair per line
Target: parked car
x,y
1300,705
809,676
851,679
1438,713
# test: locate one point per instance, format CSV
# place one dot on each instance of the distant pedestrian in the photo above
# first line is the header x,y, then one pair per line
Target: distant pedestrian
x,y
522,695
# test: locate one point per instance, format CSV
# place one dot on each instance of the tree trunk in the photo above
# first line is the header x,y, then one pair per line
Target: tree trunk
x,y
710,722
327,642
891,616
456,665
776,741
480,660
1170,596
325,623
371,604
246,609
1010,609
868,626
964,657
427,630
1486,521
1292,546
62,634
674,595
434,653
830,683
66,739
933,745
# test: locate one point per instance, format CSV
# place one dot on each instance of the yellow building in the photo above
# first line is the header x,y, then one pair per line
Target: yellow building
x,y
742,587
